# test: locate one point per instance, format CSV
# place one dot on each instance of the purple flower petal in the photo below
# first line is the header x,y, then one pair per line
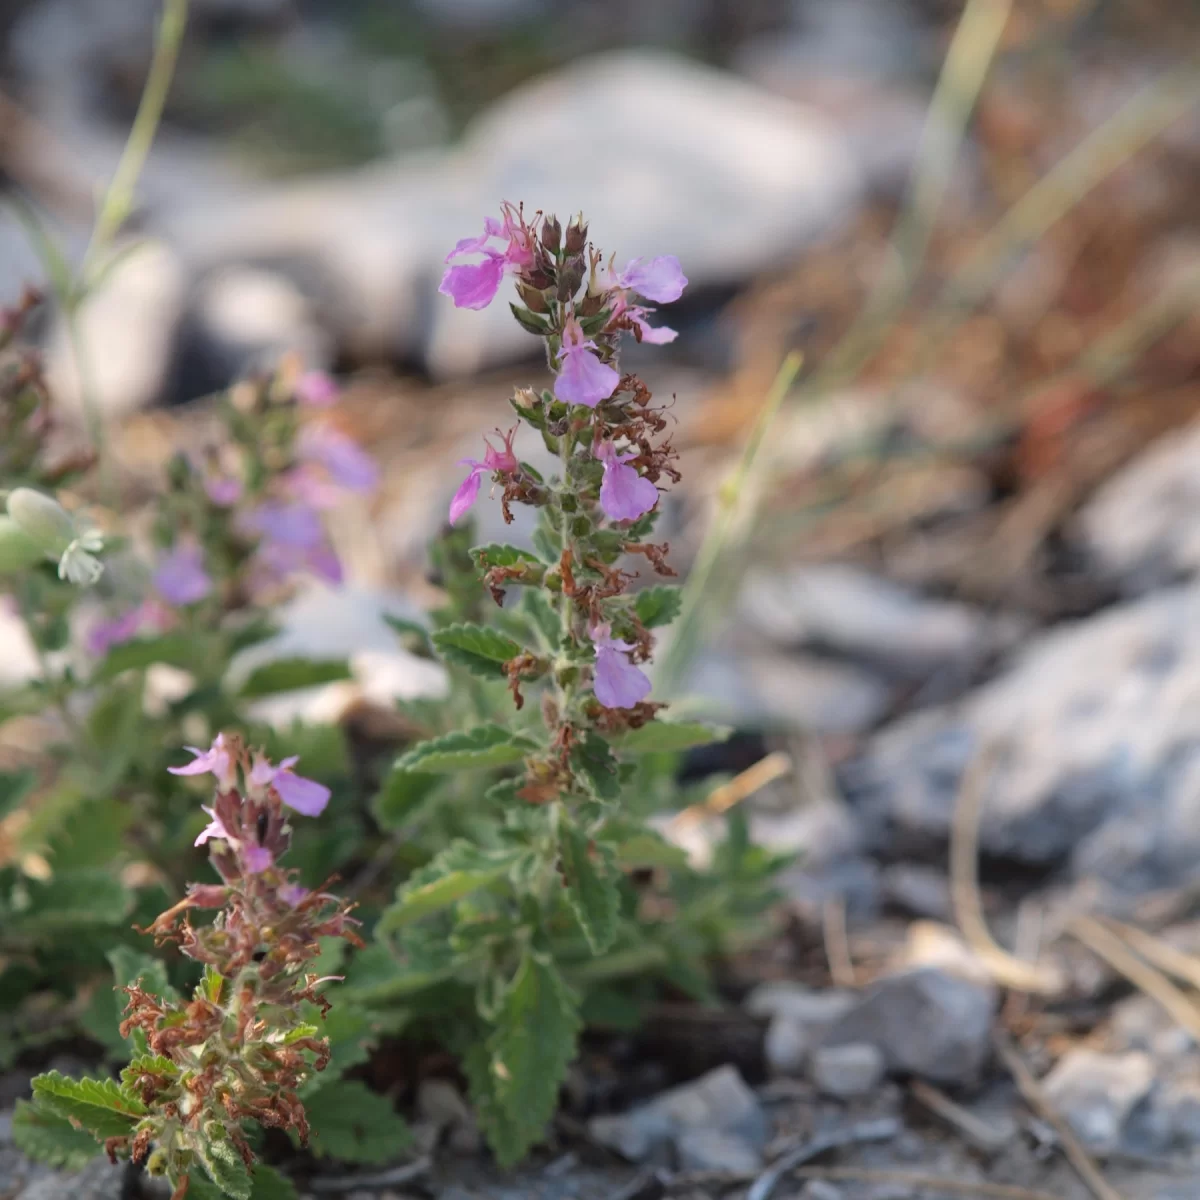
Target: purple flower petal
x,y
348,464
467,493
584,379
115,631
214,760
617,682
293,893
223,490
317,389
624,494
659,279
180,577
306,796
257,859
293,524
474,285
214,829
652,335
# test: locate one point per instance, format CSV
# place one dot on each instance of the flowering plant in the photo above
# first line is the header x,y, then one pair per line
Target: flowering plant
x,y
246,1042
552,888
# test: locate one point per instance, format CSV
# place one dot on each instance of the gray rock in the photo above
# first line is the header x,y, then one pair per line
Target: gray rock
x,y
786,1046
920,890
1101,762
926,1023
847,1071
1140,525
719,1102
709,1150
1097,1092
845,609
99,1180
128,329
1140,1023
813,1008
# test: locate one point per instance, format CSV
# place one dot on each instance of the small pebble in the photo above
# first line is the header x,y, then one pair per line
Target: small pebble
x,y
854,1069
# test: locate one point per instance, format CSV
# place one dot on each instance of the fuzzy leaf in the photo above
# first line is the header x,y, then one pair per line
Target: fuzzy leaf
x,y
90,897
226,1168
533,1042
496,554
648,849
483,651
267,1183
657,606
673,736
414,637
148,1064
529,321
401,793
591,887
48,1138
592,756
14,787
175,649
292,674
352,1123
537,608
98,1105
467,750
130,965
457,871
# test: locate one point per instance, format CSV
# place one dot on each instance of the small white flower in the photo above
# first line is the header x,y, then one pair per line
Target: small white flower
x,y
78,564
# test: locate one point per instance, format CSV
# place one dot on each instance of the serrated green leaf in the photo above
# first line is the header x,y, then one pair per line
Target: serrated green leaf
x,y
672,736
484,746
148,1064
130,965
174,649
98,1105
292,674
48,1138
352,1123
533,1042
268,1183
457,871
592,756
399,796
73,900
225,1168
591,887
537,608
482,650
529,321
647,849
497,554
547,546
657,606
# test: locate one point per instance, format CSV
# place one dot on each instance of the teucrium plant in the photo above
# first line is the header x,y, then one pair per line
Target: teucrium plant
x,y
515,910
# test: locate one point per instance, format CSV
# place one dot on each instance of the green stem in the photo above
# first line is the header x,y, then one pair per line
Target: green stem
x,y
695,592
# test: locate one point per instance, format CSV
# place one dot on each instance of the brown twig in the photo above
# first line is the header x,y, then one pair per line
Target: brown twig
x,y
740,787
1116,953
1184,967
837,942
1035,1097
928,1183
979,1133
964,887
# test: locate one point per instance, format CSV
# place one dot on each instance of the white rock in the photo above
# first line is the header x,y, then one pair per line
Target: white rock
x,y
847,1071
127,327
786,1046
1097,1092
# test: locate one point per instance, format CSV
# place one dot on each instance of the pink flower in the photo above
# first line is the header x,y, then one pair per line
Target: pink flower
x,y
624,494
180,577
216,760
295,524
347,463
115,631
257,858
659,279
214,829
474,285
659,335
582,378
306,796
493,460
223,490
311,486
292,893
616,682
316,389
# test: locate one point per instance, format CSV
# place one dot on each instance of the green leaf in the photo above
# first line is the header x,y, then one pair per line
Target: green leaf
x,y
98,1105
14,787
414,637
267,1183
130,965
658,605
469,750
592,756
533,1042
48,1138
547,546
148,1064
402,792
352,1123
175,649
673,736
225,1167
647,849
89,898
537,608
496,554
292,674
457,871
483,651
592,889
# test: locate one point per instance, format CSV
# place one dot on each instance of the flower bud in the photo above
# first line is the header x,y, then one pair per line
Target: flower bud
x,y
569,279
551,234
17,549
576,235
42,519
